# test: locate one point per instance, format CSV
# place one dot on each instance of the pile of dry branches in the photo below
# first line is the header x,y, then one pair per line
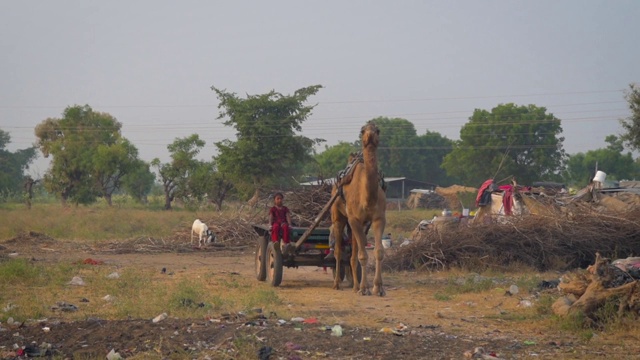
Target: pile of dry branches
x,y
541,242
305,203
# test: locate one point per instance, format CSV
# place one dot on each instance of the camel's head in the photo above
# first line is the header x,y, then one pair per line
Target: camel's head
x,y
370,134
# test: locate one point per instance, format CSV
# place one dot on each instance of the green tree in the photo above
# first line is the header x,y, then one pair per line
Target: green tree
x,y
631,124
268,149
86,147
111,163
328,163
433,147
139,181
510,140
207,182
397,146
175,175
581,167
13,164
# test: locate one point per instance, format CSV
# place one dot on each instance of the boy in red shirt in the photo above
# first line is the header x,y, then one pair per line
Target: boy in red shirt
x,y
280,218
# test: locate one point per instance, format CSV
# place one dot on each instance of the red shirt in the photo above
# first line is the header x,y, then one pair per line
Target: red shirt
x,y
279,215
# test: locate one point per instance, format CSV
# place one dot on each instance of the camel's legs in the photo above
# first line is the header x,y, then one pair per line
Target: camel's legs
x,y
357,227
337,230
354,263
378,228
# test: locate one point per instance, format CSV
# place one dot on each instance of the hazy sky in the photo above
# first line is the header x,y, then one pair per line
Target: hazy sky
x,y
151,64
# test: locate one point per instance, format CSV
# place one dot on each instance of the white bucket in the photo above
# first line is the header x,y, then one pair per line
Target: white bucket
x,y
600,177
465,212
386,243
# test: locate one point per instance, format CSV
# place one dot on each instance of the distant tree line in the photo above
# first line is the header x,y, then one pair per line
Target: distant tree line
x,y
90,158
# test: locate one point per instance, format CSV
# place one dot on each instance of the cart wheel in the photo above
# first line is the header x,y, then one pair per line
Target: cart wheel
x,y
349,274
261,256
343,272
274,264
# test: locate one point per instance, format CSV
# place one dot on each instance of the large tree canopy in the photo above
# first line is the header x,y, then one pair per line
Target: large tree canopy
x,y
328,163
510,140
631,125
90,156
12,165
269,149
581,167
402,152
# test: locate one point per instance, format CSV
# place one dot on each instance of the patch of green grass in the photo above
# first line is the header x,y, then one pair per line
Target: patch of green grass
x,y
442,297
27,287
471,284
187,294
260,298
544,303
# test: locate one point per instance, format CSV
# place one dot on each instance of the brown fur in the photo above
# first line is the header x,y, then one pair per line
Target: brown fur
x,y
364,201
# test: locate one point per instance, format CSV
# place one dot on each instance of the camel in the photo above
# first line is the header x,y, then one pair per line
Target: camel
x,y
362,201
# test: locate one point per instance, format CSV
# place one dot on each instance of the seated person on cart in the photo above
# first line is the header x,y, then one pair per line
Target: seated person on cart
x,y
279,219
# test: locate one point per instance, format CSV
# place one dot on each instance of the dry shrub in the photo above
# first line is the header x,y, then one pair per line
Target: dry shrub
x,y
544,243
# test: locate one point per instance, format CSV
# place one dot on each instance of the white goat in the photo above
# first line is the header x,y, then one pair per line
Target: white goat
x,y
202,230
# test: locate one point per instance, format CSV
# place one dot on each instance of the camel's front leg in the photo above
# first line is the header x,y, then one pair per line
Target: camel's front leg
x,y
354,264
337,231
378,228
360,242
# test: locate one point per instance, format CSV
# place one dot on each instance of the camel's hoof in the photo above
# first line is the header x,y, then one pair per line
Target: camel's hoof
x,y
336,287
379,291
364,292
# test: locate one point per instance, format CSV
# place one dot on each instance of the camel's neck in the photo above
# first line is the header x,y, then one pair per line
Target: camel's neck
x,y
371,171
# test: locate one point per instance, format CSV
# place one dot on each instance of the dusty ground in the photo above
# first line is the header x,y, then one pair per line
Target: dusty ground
x,y
425,328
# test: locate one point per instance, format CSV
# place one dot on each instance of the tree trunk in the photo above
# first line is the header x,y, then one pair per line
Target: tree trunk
x,y
255,198
108,198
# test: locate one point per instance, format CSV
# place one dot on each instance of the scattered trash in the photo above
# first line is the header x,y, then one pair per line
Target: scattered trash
x,y
281,322
480,353
399,330
292,346
513,290
108,298
84,300
265,353
297,319
63,306
33,351
310,321
525,303
46,329
336,330
13,254
113,275
90,261
551,284
366,338
160,317
529,342
77,280
113,355
9,307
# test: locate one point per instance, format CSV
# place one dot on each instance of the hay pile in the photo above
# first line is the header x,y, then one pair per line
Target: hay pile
x,y
457,194
305,203
426,200
544,243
